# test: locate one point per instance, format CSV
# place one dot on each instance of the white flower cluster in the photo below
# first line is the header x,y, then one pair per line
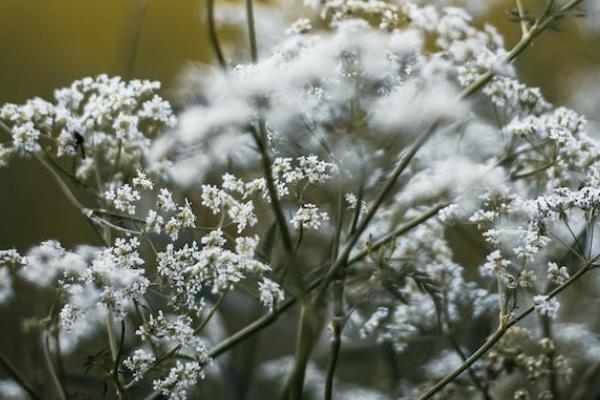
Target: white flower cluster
x,y
140,362
546,306
209,264
113,279
10,260
102,116
270,293
176,333
309,216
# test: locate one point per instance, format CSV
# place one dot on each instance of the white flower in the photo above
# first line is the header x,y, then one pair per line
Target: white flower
x,y
302,25
246,246
212,197
43,263
154,222
546,306
180,378
172,228
270,293
139,363
124,198
126,126
309,216
233,184
165,201
11,258
242,214
25,138
495,263
186,215
158,110
527,278
556,274
142,181
5,155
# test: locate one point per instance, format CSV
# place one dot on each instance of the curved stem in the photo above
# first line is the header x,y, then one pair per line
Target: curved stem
x,y
212,34
16,375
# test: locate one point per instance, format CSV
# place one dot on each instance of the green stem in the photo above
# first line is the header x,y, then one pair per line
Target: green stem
x,y
251,31
114,351
492,340
18,377
212,34
57,385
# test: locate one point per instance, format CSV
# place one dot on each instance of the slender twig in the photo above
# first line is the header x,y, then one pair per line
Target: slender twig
x,y
212,34
18,377
338,303
115,351
497,335
337,324
251,30
522,20
482,386
131,49
260,138
546,323
57,385
395,233
212,310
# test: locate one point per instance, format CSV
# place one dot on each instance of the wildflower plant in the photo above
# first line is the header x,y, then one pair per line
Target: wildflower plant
x,y
331,173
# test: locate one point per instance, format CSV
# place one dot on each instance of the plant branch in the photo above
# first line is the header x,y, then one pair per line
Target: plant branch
x,y
212,34
57,385
251,30
492,340
16,375
268,319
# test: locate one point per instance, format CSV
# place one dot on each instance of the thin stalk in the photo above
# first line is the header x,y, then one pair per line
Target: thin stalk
x,y
552,382
492,340
260,138
57,385
212,34
18,377
337,324
396,233
114,351
304,344
212,310
131,48
481,386
251,30
338,319
523,22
